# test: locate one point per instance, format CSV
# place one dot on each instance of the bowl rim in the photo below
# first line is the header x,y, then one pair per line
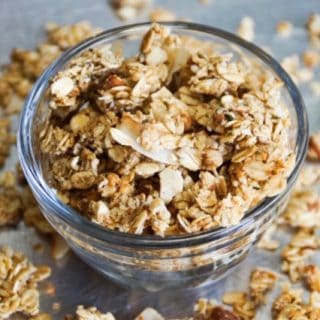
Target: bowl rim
x,y
39,186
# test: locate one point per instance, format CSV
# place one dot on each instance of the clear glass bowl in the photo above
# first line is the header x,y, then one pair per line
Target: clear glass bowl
x,y
147,261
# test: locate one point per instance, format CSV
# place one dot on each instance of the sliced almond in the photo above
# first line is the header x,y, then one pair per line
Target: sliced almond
x,y
171,183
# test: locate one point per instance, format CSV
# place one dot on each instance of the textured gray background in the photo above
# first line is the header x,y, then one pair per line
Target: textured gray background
x,y
21,24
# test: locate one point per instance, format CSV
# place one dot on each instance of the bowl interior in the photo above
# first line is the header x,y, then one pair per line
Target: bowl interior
x,y
127,39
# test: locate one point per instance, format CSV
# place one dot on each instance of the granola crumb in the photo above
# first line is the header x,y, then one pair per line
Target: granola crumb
x,y
49,289
245,29
311,58
284,29
56,306
89,313
129,9
162,15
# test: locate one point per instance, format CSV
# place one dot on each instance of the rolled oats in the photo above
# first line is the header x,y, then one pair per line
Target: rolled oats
x,y
18,284
172,140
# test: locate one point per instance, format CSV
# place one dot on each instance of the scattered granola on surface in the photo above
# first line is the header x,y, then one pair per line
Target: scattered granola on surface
x,y
91,313
26,66
311,58
18,284
293,66
169,141
11,205
129,9
313,27
245,29
289,305
6,137
161,14
284,28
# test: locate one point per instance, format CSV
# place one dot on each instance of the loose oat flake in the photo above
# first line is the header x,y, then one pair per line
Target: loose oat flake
x,y
176,139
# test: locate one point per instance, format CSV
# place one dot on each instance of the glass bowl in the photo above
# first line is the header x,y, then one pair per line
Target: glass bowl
x,y
151,262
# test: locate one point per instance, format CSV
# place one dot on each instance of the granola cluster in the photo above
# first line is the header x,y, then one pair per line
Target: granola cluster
x,y
17,78
19,279
172,140
290,305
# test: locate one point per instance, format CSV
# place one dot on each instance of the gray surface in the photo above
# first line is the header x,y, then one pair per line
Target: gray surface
x,y
21,22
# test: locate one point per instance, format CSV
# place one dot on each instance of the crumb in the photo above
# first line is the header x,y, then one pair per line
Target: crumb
x,y
245,29
161,14
284,28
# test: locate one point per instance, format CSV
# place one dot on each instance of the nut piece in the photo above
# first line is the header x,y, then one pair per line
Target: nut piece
x,y
62,87
171,183
218,313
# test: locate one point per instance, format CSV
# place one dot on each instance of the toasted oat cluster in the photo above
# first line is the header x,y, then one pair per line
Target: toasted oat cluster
x,y
203,310
18,284
290,305
172,140
17,78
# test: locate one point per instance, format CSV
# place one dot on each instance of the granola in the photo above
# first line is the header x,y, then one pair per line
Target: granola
x,y
6,137
290,305
161,14
19,279
172,140
284,29
293,66
245,29
11,206
26,66
313,28
129,9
